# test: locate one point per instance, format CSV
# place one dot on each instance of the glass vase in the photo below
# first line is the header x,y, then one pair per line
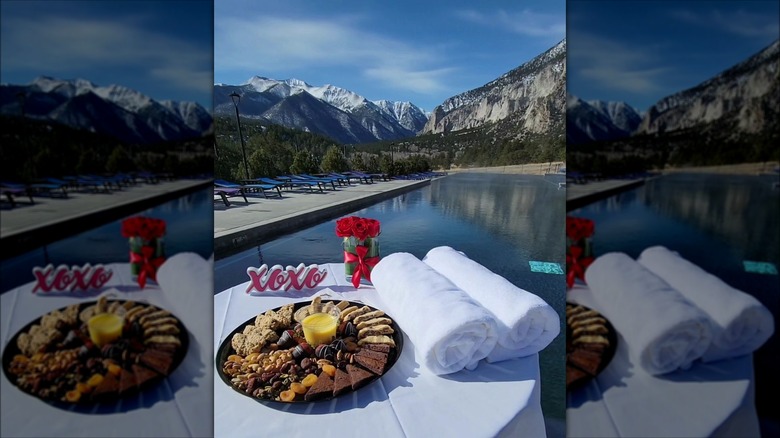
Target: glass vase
x,y
136,246
350,247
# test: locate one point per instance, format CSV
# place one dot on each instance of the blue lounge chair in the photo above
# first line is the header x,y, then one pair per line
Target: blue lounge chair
x,y
289,182
246,187
51,188
224,193
364,177
324,181
332,179
14,190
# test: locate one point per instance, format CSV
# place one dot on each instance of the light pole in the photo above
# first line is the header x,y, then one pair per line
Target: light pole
x,y
237,98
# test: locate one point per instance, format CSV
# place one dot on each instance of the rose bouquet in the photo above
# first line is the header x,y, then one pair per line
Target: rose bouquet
x,y
361,246
147,251
579,249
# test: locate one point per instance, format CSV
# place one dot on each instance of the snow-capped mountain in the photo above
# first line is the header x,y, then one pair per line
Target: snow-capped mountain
x,y
597,120
744,98
623,116
355,119
408,115
534,94
113,110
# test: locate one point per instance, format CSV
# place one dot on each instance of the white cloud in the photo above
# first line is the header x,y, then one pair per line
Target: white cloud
x,y
270,44
525,22
739,23
77,45
615,65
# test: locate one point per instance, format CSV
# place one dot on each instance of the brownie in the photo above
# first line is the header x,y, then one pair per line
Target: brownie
x,y
372,354
376,366
382,348
143,374
341,383
588,361
108,387
574,374
126,381
358,376
157,360
322,388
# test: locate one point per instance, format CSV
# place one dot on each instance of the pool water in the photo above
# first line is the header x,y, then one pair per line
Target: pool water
x,y
189,227
503,222
718,222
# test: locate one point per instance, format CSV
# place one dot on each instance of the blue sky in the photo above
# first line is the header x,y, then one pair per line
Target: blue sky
x,y
642,51
417,51
160,48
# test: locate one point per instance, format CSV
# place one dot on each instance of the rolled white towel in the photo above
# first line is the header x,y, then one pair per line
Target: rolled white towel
x,y
450,330
663,331
740,323
526,323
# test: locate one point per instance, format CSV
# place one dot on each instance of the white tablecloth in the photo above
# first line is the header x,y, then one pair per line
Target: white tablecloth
x,y
495,399
180,406
713,399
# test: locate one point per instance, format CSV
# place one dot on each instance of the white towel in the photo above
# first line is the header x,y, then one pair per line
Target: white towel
x,y
740,323
526,323
663,331
450,331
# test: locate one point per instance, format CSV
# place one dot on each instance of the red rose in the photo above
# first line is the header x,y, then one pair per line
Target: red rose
x,y
373,227
344,226
360,229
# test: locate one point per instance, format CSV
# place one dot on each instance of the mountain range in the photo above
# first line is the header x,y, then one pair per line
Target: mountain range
x,y
743,99
113,110
340,114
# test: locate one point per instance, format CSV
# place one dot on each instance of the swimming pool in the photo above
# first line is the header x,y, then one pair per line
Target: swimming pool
x,y
501,221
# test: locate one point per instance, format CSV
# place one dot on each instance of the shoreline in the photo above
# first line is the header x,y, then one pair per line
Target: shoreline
x,y
514,169
727,169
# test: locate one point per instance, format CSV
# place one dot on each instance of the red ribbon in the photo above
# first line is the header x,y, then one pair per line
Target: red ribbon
x,y
363,264
575,266
149,265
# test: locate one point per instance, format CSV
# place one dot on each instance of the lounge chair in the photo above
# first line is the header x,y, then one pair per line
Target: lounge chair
x,y
224,193
332,179
96,185
149,177
50,188
246,187
364,177
342,179
289,182
14,191
321,182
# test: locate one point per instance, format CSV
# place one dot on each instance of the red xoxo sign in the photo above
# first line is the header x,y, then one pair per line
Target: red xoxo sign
x,y
279,278
62,278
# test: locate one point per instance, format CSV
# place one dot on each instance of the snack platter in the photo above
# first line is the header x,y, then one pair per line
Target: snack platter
x,y
591,342
268,359
54,358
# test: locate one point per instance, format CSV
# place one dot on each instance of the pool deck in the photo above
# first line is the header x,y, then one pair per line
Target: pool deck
x,y
580,195
27,226
245,225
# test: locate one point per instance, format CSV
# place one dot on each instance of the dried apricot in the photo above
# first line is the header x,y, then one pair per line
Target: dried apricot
x,y
330,369
298,388
83,388
73,396
114,369
95,380
309,380
287,396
